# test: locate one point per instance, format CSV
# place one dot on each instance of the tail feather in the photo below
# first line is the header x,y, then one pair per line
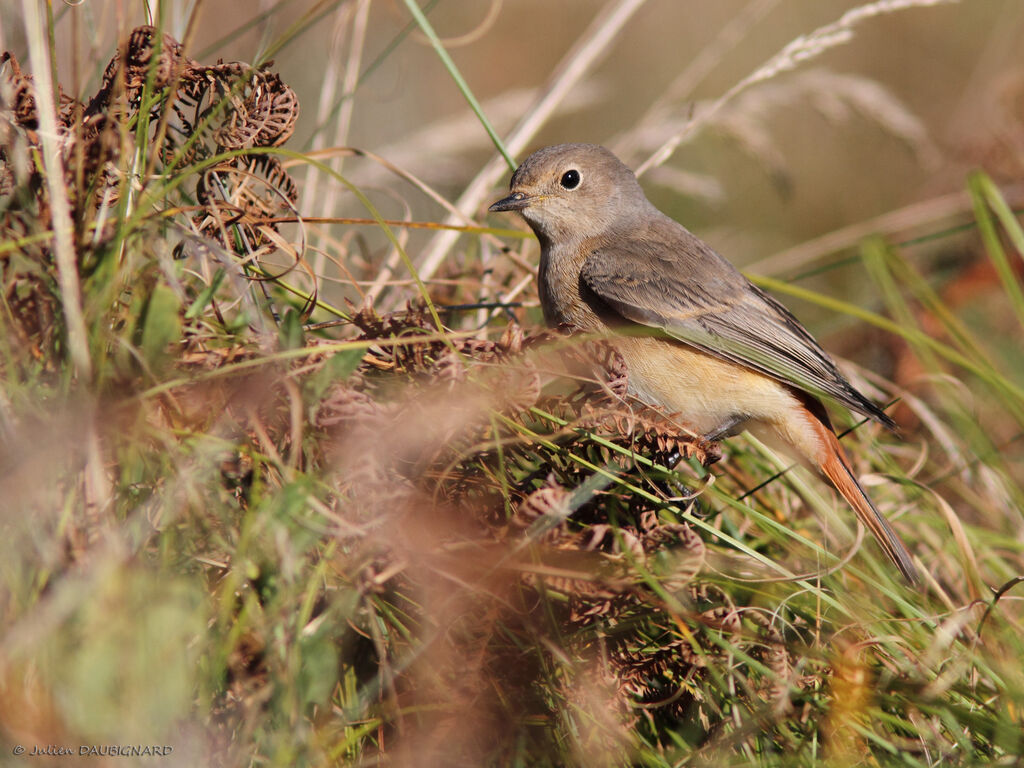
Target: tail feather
x,y
835,467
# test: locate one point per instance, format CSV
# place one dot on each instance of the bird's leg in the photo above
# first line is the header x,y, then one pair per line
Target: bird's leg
x,y
732,426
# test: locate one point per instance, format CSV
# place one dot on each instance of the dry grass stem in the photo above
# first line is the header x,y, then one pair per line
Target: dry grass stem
x,y
793,54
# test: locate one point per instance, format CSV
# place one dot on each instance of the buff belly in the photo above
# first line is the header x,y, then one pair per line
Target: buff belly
x,y
712,395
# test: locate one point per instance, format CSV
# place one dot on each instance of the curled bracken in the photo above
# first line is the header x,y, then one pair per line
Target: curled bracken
x,y
196,113
413,428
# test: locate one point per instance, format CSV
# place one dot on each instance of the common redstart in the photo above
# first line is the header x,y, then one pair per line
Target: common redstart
x,y
698,339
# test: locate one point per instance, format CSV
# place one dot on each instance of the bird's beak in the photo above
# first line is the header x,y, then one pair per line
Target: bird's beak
x,y
514,202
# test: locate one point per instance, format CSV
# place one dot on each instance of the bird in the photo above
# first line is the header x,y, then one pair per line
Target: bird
x,y
698,339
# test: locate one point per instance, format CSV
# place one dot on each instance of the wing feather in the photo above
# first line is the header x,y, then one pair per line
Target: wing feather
x,y
667,278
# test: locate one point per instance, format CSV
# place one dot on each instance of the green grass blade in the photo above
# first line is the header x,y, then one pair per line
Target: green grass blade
x,y
460,81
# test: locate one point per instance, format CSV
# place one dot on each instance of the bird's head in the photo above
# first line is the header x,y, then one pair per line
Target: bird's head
x,y
574,191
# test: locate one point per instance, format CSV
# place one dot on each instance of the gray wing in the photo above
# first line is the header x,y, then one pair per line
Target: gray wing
x,y
673,281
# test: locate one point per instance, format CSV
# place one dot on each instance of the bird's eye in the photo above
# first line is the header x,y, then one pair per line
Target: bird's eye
x,y
570,179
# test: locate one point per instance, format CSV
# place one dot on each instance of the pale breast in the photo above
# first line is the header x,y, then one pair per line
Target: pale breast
x,y
707,392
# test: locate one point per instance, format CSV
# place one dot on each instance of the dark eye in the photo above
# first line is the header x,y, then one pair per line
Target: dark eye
x,y
571,179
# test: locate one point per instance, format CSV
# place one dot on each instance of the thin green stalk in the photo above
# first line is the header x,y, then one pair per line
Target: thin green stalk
x,y
306,297
985,195
435,41
909,334
879,257
923,292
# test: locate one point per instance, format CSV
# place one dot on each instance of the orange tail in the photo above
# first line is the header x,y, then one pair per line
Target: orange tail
x,y
835,467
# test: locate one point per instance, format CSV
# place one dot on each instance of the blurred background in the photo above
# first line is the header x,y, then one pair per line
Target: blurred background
x,y
895,115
